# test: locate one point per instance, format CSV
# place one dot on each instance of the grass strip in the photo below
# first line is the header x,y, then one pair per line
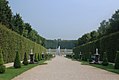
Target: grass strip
x,y
11,72
109,68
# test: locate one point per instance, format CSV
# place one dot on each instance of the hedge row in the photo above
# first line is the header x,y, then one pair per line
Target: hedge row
x,y
11,41
108,44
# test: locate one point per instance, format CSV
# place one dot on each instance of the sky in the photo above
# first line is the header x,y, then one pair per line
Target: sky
x,y
64,19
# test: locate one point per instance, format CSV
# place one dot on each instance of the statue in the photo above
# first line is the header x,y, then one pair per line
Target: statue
x,y
31,57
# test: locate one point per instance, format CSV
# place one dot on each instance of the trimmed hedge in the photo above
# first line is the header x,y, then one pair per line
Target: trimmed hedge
x,y
117,61
17,62
2,66
108,44
11,41
105,60
25,60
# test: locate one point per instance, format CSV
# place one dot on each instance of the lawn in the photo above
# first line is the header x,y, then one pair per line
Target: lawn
x,y
12,72
110,67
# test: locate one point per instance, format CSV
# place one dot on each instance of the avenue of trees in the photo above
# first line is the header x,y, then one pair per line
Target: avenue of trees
x,y
106,39
16,23
105,28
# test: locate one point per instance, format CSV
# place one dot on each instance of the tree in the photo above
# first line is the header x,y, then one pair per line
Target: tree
x,y
2,67
105,60
36,58
17,63
114,22
117,61
18,24
5,13
94,35
25,61
27,29
84,39
102,30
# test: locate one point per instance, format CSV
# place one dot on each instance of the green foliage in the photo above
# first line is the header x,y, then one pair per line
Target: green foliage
x,y
117,61
107,44
25,60
11,72
10,41
16,23
105,60
2,69
36,58
5,13
39,58
1,58
106,28
94,35
84,39
17,62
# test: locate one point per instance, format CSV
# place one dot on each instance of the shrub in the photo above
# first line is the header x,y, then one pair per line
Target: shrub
x,y
1,58
36,58
17,63
25,61
2,67
117,61
105,60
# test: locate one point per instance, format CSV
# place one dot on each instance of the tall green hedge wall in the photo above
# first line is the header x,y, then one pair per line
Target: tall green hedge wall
x,y
11,41
108,44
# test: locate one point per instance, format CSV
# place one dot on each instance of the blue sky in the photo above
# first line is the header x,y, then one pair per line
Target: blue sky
x,y
65,19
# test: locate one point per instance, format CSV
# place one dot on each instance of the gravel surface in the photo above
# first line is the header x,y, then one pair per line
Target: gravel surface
x,y
61,68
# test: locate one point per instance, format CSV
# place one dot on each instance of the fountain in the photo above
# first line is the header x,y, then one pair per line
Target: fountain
x,y
49,50
65,51
58,50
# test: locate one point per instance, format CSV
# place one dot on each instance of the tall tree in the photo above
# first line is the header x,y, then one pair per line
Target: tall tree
x,y
114,21
5,13
18,24
84,39
103,27
94,35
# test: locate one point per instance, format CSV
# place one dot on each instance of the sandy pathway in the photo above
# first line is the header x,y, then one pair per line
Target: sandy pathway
x,y
61,68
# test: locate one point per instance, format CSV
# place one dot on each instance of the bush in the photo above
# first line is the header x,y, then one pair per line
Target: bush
x,y
39,57
17,62
25,61
105,60
2,67
117,61
36,58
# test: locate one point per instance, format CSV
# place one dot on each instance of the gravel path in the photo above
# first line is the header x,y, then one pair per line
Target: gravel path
x,y
61,68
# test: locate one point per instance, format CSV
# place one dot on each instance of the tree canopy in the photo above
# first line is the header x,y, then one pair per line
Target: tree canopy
x,y
17,24
105,28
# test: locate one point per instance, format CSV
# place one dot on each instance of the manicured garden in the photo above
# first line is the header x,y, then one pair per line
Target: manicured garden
x,y
18,67
104,64
11,72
